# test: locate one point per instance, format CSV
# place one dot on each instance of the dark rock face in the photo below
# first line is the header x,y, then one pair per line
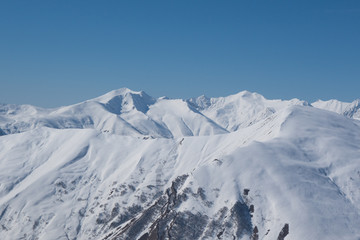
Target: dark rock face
x,y
217,226
163,220
251,208
164,217
160,219
255,234
241,216
246,191
2,132
186,225
284,232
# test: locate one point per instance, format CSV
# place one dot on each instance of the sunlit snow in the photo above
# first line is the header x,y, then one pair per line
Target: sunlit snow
x,y
125,166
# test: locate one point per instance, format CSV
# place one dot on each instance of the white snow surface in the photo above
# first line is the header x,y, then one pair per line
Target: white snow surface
x,y
64,170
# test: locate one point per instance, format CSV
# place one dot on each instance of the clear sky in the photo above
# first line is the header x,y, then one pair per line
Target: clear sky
x,y
60,52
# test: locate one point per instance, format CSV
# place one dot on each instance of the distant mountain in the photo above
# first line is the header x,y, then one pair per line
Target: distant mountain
x,y
351,110
240,110
128,166
122,112
131,113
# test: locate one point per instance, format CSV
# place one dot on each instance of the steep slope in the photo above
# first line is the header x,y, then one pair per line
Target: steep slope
x,y
351,110
291,175
182,120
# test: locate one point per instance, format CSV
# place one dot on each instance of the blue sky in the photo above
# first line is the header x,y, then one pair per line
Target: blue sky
x,y
55,53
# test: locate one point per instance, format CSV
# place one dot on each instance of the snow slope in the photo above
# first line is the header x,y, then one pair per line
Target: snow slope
x,y
293,173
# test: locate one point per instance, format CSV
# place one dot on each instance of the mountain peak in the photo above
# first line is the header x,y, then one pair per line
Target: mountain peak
x,y
117,92
246,95
125,100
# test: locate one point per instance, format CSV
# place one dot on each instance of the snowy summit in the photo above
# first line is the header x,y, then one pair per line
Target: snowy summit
x,y
126,165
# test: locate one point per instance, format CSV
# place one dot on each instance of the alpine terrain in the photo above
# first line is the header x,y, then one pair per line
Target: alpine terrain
x,y
126,165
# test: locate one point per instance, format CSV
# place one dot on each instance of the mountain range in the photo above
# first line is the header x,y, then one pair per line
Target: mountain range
x,y
126,165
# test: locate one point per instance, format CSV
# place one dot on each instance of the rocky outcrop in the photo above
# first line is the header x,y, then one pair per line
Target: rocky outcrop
x,y
164,220
284,232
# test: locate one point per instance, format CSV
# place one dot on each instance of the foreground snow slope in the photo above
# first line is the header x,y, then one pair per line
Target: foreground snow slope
x,y
292,174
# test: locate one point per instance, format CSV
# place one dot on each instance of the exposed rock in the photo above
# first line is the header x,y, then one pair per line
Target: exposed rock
x,y
241,217
246,191
255,235
251,209
284,232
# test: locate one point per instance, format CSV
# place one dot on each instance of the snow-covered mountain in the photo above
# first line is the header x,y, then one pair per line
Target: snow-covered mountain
x,y
351,110
122,112
128,166
240,110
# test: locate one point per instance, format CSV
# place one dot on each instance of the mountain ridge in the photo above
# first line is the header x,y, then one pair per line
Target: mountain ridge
x,y
295,172
128,112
